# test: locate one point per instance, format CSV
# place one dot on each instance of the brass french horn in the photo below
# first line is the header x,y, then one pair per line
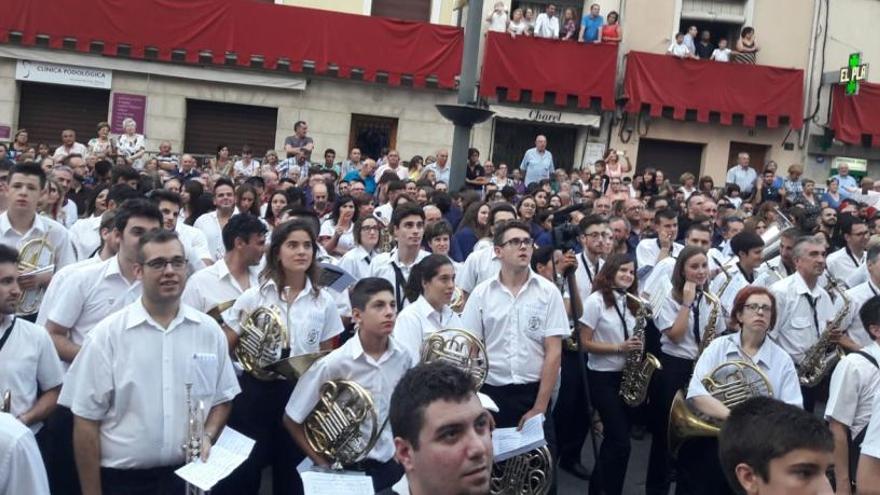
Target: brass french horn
x,y
456,304
530,473
343,426
460,349
33,255
217,311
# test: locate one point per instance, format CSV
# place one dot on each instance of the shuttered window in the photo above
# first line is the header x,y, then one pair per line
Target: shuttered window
x,y
47,109
209,124
411,10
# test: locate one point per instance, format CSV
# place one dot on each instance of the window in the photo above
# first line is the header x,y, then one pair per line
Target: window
x,y
539,6
209,124
672,157
722,18
411,10
372,134
47,109
512,138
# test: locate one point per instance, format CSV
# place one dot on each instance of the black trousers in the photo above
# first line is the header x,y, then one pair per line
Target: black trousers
x,y
58,453
616,417
383,474
155,481
514,401
257,412
699,469
569,415
673,377
812,395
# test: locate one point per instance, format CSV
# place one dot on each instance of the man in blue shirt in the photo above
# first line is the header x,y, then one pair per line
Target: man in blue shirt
x,y
365,174
537,164
591,25
743,175
848,183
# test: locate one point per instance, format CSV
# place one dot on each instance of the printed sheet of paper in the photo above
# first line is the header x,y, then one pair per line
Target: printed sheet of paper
x,y
507,442
335,278
328,483
231,449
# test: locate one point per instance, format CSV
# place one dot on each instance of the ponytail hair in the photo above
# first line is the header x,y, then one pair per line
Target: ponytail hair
x,y
424,271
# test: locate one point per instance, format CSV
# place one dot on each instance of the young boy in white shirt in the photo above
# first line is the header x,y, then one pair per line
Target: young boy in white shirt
x,y
722,53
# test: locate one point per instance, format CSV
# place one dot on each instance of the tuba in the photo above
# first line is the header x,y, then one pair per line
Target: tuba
x,y
823,355
732,383
35,255
530,473
344,425
264,340
6,404
773,234
195,434
460,349
637,371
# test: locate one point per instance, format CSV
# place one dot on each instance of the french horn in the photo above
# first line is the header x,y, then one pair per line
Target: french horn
x,y
460,349
343,426
34,255
217,311
456,304
530,473
264,340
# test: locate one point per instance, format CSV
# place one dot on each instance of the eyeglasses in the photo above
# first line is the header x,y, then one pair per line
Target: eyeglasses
x,y
176,263
518,242
758,308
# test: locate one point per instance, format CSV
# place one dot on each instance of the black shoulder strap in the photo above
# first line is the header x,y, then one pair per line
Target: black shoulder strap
x,y
7,333
868,357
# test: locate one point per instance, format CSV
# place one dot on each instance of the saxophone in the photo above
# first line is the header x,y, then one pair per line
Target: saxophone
x,y
195,434
709,332
822,356
637,371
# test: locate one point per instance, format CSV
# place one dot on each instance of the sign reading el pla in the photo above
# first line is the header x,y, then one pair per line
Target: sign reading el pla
x,y
854,73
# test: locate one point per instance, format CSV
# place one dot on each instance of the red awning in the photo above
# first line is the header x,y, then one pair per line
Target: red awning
x,y
549,66
855,116
247,29
707,87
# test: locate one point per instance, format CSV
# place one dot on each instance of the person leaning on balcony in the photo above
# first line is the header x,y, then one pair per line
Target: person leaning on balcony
x,y
591,26
722,53
518,25
612,32
746,47
547,24
498,19
679,49
569,25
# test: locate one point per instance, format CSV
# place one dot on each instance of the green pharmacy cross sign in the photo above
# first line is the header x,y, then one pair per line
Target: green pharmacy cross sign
x,y
854,73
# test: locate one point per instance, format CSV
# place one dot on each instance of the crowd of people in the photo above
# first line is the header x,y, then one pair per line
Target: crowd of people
x,y
127,274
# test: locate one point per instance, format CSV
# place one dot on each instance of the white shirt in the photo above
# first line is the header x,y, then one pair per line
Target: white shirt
x,y
665,315
28,361
383,213
21,465
246,169
514,326
857,277
858,295
419,320
498,21
648,249
679,50
773,361
350,362
659,282
546,26
209,224
310,319
53,292
871,444
356,261
854,384
214,285
130,376
345,241
71,213
737,282
402,172
129,145
102,290
195,245
770,272
478,267
585,274
75,149
795,329
606,324
54,232
383,266
842,263
721,55
85,235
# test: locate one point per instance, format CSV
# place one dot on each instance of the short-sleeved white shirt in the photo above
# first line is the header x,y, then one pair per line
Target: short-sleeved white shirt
x,y
28,362
356,261
795,329
585,274
648,249
54,232
419,320
195,245
607,328
53,293
85,235
871,444
131,376
402,172
310,318
854,384
21,465
345,241
514,326
214,285
770,272
210,226
773,361
737,282
843,264
383,266
246,169
858,296
659,282
479,266
665,315
350,362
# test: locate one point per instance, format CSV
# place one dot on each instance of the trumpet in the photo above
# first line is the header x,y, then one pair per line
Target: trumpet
x,y
195,434
35,255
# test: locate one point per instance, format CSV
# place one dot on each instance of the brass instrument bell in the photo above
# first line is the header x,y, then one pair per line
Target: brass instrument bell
x,y
343,426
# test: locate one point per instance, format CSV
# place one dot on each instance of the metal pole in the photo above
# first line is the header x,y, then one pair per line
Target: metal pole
x,y
467,93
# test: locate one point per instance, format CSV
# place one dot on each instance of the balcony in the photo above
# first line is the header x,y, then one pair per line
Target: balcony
x,y
242,33
856,119
756,95
548,69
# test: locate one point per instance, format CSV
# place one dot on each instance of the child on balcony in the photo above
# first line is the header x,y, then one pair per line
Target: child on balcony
x,y
722,53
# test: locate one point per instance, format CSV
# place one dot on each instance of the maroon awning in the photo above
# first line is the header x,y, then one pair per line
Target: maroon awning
x,y
853,117
707,87
565,68
247,29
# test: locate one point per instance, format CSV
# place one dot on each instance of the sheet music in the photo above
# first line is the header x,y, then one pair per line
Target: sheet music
x,y
335,278
328,483
231,449
507,442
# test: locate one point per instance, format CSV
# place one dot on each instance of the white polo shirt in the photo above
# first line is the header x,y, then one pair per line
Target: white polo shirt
x,y
854,384
664,317
585,274
773,361
858,295
130,376
607,328
214,285
350,362
310,318
53,293
383,266
795,329
479,266
514,326
54,232
101,290
85,235
843,264
28,362
419,320
648,249
210,226
195,245
21,465
356,261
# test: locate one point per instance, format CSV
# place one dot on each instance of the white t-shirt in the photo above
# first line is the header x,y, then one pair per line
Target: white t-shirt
x,y
345,241
721,55
679,50
498,21
606,325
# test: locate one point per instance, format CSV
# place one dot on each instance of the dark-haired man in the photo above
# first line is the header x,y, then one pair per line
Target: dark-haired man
x,y
781,266
211,223
845,262
483,264
194,242
747,247
408,227
649,252
442,433
861,293
595,238
86,232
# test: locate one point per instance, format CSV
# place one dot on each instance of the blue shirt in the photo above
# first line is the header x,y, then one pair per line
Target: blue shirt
x,y
845,182
591,26
743,177
536,166
369,182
